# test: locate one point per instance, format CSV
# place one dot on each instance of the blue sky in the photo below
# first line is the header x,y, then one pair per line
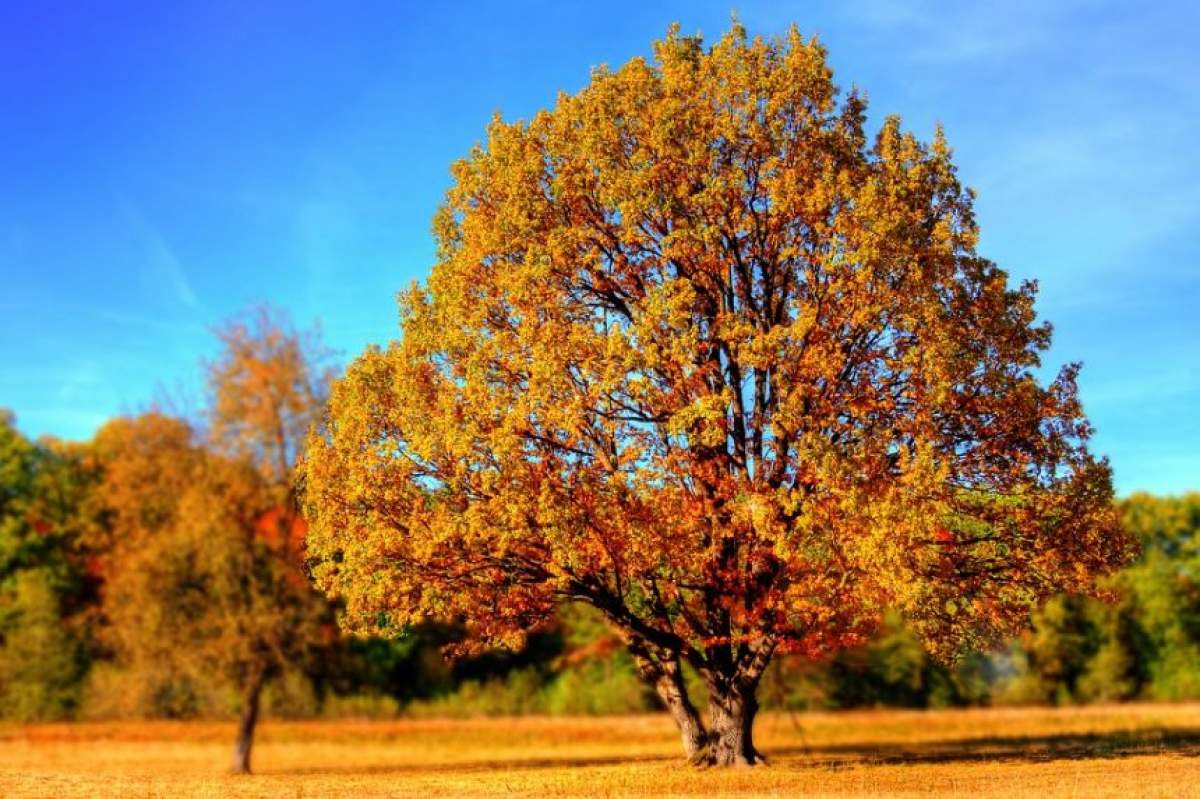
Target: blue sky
x,y
167,164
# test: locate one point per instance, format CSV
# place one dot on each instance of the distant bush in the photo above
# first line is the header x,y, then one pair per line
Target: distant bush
x,y
517,693
360,706
598,688
116,692
41,661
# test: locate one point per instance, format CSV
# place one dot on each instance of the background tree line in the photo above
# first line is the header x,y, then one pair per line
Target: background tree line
x,y
158,571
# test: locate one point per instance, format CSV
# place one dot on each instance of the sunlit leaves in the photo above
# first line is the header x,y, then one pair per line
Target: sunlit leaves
x,y
205,567
699,350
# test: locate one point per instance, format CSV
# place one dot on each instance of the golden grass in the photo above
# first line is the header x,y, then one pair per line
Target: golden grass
x,y
1113,751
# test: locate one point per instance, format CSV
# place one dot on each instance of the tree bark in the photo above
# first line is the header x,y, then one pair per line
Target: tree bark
x,y
666,676
251,697
731,709
673,692
732,706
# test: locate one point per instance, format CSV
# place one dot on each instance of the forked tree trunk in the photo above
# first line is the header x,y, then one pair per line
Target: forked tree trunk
x,y
731,712
251,697
729,737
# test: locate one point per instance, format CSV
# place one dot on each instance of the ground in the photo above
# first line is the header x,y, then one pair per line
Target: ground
x,y
1116,751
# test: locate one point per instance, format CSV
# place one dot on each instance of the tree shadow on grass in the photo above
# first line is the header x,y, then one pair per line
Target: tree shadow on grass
x,y
994,749
481,766
1028,749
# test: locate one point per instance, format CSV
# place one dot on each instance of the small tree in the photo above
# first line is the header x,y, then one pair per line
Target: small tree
x,y
696,353
208,566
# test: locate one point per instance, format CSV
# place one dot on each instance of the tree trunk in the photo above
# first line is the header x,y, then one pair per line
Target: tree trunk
x,y
732,704
731,711
673,692
665,674
246,723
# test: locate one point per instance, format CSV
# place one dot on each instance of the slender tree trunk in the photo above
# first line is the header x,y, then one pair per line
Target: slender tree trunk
x,y
249,718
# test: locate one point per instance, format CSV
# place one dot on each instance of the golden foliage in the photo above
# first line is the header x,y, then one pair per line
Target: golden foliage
x,y
265,389
205,572
699,353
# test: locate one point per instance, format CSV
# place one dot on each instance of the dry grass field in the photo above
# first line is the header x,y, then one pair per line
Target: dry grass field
x,y
1116,751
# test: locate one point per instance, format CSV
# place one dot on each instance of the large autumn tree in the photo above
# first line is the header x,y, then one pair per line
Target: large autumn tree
x,y
698,352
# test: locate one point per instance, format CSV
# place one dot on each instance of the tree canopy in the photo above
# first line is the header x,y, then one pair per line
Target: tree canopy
x,y
207,572
701,353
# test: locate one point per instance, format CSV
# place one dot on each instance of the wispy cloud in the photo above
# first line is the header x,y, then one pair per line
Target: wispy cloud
x,y
73,424
1157,472
74,397
136,320
1132,198
160,261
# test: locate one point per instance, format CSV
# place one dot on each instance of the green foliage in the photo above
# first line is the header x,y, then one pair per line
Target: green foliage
x,y
1163,588
893,670
363,671
595,674
45,588
1056,653
1145,641
599,687
41,660
576,666
1116,670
